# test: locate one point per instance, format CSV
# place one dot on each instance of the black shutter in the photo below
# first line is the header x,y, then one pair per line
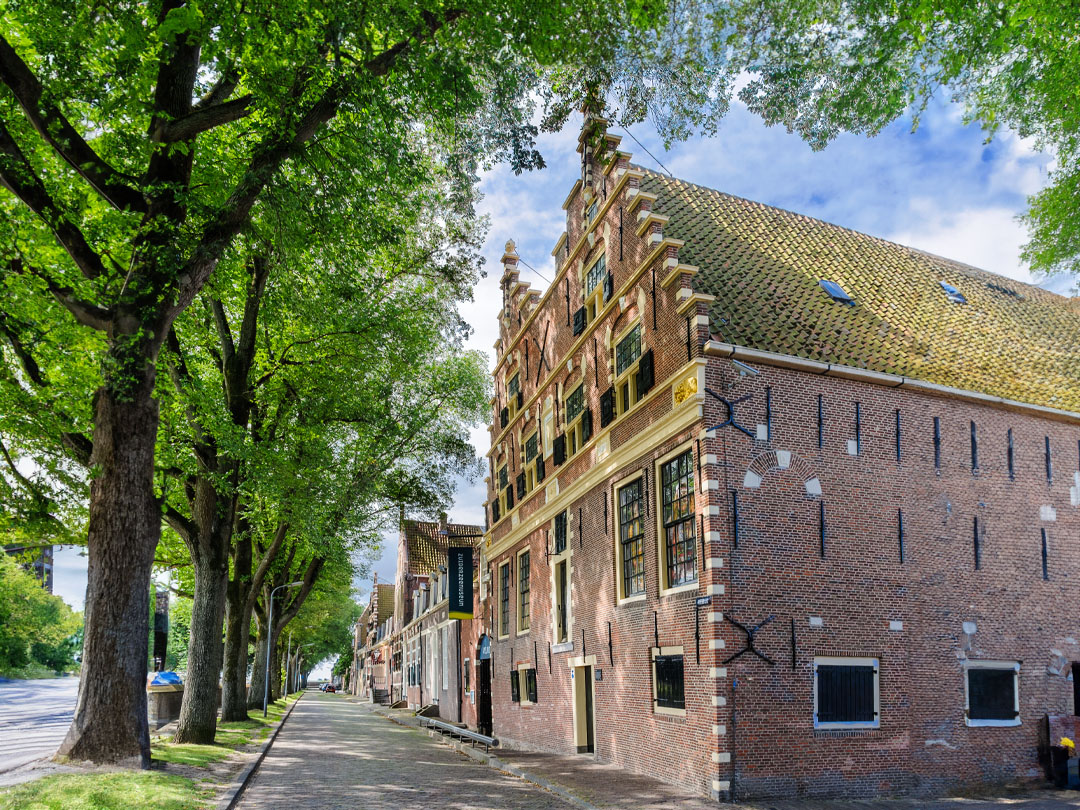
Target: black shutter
x,y
845,694
586,425
607,408
521,486
515,688
669,681
579,321
991,694
558,450
609,287
539,469
504,417
509,497
560,533
645,374
494,511
520,399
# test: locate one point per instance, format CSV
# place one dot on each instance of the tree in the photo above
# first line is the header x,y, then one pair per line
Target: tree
x,y
35,626
136,141
824,67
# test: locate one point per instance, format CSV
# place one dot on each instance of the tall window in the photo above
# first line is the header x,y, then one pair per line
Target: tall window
x,y
504,486
504,599
680,549
594,288
631,536
562,626
523,591
560,532
627,357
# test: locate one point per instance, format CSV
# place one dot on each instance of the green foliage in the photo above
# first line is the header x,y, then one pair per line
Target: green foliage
x,y
35,626
820,67
325,621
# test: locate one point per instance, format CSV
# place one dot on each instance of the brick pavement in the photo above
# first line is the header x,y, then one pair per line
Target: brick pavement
x,y
336,754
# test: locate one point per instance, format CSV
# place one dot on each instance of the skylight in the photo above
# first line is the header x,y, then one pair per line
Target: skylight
x,y
836,292
952,293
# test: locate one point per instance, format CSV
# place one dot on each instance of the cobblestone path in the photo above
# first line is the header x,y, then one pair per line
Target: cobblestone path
x,y
334,754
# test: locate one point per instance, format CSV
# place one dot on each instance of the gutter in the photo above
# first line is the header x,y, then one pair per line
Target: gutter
x,y
715,348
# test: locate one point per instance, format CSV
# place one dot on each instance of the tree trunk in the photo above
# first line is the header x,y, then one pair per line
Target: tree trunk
x,y
237,633
110,722
198,710
258,669
276,666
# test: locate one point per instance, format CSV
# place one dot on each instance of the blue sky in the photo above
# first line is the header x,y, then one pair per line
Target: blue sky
x,y
940,189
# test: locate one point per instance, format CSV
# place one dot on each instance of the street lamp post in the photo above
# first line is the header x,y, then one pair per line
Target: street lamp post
x,y
270,639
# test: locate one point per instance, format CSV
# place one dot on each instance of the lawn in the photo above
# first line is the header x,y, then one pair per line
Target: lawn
x,y
147,790
107,791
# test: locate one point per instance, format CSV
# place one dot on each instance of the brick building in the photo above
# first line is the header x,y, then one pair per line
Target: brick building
x,y
776,508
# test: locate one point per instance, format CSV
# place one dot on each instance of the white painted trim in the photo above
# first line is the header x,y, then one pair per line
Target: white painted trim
x,y
1003,665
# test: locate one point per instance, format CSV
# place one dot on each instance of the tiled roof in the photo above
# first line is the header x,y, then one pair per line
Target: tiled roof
x,y
427,548
764,264
385,602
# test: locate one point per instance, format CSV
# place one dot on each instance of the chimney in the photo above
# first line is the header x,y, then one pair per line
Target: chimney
x,y
442,522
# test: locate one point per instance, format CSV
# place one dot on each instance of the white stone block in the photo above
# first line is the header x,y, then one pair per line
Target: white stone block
x,y
712,537
813,487
783,459
721,785
751,480
852,447
713,511
717,672
762,433
719,701
721,756
711,458
970,628
895,625
714,617
815,621
716,590
1047,513
716,644
714,562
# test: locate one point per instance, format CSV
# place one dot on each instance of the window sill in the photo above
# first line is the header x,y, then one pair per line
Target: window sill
x,y
860,726
631,600
524,632
689,586
564,646
991,723
664,710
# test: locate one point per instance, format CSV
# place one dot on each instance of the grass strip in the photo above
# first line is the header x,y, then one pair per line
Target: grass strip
x,y
127,790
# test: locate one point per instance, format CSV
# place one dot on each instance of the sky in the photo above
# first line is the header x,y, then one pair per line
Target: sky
x,y
942,189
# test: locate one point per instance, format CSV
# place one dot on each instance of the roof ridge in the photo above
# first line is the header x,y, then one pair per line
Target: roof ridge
x,y
863,234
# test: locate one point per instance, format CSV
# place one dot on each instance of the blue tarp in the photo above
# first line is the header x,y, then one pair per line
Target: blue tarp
x,y
166,679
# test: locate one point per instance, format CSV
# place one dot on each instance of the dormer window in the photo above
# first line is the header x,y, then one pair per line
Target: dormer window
x,y
836,292
952,293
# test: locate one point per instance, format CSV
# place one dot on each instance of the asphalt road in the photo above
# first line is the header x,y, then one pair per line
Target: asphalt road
x,y
34,717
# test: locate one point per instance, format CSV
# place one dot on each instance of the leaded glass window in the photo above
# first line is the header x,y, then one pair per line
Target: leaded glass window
x,y
514,386
504,478
595,274
631,536
677,488
530,448
575,404
504,599
523,591
628,350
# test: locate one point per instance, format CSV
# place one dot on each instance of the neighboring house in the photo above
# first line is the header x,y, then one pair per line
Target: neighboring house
x,y
414,650
742,459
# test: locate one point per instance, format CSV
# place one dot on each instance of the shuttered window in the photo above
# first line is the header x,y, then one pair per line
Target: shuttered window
x,y
515,687
628,350
596,274
560,533
530,685
846,692
679,519
992,694
575,404
668,677
631,537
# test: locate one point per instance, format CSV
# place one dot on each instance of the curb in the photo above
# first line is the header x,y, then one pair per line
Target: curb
x,y
493,761
237,787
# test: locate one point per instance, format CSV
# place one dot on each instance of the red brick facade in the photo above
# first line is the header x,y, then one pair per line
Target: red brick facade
x,y
817,545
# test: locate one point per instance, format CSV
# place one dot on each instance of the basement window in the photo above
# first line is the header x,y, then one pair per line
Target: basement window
x,y
992,693
952,293
846,693
836,292
668,688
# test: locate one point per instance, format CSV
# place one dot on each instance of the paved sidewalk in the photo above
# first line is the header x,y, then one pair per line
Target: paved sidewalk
x,y
591,784
336,754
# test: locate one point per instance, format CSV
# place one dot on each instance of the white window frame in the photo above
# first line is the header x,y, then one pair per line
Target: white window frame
x,y
1015,667
628,376
850,662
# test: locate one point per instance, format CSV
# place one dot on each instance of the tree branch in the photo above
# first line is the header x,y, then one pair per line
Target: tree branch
x,y
202,119
18,177
181,524
58,132
264,565
85,313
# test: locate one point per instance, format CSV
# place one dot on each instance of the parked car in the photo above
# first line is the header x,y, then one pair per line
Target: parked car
x,y
330,688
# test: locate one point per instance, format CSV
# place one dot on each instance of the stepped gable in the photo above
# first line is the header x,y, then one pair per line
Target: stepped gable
x,y
764,264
